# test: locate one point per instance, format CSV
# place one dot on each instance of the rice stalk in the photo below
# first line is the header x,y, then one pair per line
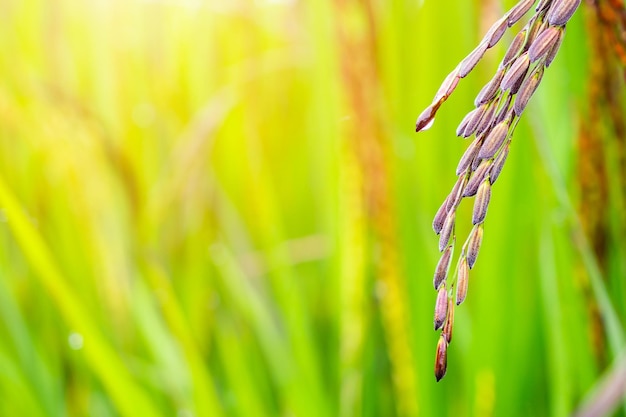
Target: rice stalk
x,y
498,107
370,152
597,146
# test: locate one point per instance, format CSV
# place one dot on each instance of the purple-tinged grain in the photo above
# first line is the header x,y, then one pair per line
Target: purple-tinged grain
x,y
468,64
448,85
469,155
462,281
481,204
460,130
495,32
475,163
488,92
494,140
447,327
528,88
457,193
503,111
440,217
516,72
498,163
515,87
443,266
473,245
544,43
486,121
561,11
426,118
538,26
510,115
447,231
518,11
477,178
555,48
441,358
470,129
441,307
515,48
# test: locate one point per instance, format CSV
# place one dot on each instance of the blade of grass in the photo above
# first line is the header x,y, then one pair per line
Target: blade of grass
x,y
243,297
614,328
31,364
557,360
205,398
127,395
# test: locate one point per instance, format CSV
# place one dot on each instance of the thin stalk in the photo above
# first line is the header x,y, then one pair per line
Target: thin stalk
x,y
611,320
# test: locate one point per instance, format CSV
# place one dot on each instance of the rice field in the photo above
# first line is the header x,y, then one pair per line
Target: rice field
x,y
221,208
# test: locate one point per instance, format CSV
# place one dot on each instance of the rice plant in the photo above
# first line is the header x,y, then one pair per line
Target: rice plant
x,y
215,208
499,105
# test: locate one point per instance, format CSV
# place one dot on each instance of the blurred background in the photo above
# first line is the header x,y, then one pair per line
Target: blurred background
x,y
220,208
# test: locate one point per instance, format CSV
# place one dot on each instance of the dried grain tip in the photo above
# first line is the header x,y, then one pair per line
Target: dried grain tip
x,y
443,266
516,72
495,32
544,43
468,64
518,11
494,140
441,358
515,48
498,163
441,307
473,245
426,118
469,155
561,11
490,89
446,231
457,193
482,202
462,281
447,327
528,88
440,217
477,178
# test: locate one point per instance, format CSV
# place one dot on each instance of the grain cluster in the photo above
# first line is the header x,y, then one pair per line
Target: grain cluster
x,y
498,107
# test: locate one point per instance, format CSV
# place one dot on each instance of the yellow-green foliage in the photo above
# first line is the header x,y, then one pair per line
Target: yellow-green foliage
x,y
219,208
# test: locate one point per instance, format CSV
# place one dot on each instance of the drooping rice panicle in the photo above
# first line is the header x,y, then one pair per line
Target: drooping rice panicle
x,y
498,107
492,37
